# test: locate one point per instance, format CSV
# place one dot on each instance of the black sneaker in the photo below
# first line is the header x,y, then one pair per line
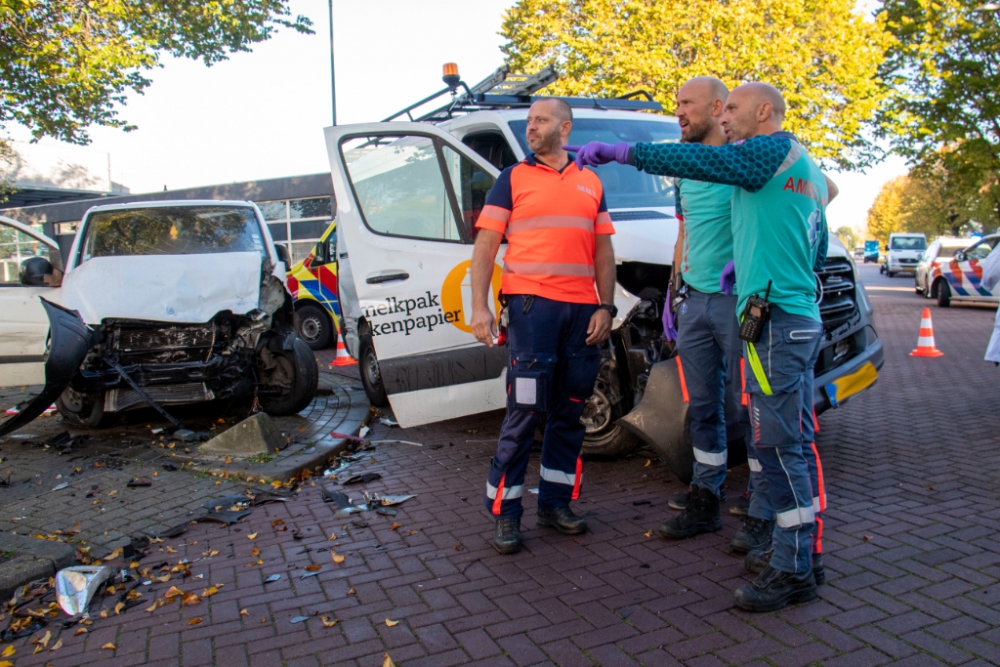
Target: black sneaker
x,y
507,536
755,534
563,520
700,516
680,501
774,589
758,560
741,506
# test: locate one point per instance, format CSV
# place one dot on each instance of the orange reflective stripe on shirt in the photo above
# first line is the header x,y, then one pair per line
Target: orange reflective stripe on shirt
x,y
549,268
550,222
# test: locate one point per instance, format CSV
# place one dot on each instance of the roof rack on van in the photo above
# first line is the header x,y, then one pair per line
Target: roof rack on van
x,y
508,90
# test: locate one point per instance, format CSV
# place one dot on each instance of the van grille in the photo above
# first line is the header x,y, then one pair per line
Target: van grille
x,y
839,302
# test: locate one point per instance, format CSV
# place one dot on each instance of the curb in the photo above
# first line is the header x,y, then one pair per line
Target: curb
x,y
33,559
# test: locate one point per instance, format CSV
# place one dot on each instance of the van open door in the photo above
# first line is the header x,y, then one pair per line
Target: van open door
x,y
408,196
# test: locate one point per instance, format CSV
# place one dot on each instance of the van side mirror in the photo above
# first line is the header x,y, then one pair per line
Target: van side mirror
x,y
38,272
887,247
282,252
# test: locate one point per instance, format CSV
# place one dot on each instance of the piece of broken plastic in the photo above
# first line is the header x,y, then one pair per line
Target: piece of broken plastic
x,y
273,578
389,421
76,586
376,499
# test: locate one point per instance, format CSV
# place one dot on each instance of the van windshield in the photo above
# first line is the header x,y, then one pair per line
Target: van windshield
x,y
909,243
624,186
172,230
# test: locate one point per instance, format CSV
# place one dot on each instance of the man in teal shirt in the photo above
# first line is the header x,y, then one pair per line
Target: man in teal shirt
x,y
779,233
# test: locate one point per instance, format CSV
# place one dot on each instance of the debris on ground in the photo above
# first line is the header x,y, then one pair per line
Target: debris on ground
x,y
136,482
375,499
388,421
399,442
76,586
362,479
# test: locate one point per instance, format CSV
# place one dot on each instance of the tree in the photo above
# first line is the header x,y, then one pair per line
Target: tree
x,y
886,213
68,64
944,67
821,53
847,236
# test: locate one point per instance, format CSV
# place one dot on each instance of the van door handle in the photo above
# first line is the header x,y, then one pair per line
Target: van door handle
x,y
386,277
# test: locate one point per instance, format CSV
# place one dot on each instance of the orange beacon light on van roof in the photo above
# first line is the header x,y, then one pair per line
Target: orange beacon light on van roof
x,y
451,77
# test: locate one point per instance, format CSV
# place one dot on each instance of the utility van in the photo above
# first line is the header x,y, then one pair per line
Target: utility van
x,y
903,252
408,195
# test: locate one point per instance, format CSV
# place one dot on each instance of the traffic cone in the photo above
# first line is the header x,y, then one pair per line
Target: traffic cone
x,y
925,343
342,358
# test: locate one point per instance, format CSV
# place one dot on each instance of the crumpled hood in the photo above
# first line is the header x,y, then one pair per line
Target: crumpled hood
x,y
163,288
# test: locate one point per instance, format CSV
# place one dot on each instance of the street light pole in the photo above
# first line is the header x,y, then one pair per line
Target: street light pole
x,y
333,71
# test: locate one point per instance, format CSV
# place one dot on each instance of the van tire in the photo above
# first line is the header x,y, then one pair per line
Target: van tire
x,y
301,364
371,377
943,294
614,444
315,327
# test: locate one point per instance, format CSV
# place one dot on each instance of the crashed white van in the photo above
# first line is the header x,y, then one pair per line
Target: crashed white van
x,y
408,194
159,304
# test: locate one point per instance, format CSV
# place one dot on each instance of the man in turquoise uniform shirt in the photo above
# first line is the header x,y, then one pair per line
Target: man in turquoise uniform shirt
x,y
779,235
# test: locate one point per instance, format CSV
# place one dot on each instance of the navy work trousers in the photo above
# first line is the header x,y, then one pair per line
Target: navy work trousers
x,y
780,389
710,351
551,370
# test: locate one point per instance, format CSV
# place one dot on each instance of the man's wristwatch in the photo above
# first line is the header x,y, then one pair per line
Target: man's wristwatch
x,y
611,308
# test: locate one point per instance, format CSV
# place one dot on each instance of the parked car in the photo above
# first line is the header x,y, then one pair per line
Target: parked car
x,y
164,303
942,250
408,196
903,252
313,285
955,275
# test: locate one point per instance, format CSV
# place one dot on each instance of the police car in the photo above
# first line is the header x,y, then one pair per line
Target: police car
x,y
950,271
408,194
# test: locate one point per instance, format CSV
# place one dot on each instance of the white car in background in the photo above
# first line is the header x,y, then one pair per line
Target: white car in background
x,y
903,252
959,278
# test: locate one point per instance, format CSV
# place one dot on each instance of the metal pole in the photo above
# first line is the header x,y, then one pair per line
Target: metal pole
x,y
333,71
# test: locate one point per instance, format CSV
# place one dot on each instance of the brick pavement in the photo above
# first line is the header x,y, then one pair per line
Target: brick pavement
x,y
912,556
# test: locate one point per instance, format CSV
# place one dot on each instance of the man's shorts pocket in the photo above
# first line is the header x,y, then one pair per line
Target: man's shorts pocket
x,y
529,380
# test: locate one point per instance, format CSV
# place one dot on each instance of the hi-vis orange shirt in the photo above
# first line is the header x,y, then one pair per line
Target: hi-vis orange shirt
x,y
550,218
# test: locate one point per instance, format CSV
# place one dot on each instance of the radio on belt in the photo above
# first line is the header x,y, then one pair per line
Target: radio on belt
x,y
755,315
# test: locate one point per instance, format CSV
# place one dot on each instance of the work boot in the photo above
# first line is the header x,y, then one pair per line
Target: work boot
x,y
680,501
774,589
563,520
759,559
741,506
700,516
507,536
755,534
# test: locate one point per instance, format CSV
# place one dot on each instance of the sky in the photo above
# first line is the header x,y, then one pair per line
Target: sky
x,y
261,114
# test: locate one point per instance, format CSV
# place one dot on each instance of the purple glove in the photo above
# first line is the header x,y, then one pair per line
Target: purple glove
x,y
669,331
597,153
728,279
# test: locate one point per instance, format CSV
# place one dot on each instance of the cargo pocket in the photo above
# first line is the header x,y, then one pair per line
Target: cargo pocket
x,y
582,364
775,419
529,380
799,346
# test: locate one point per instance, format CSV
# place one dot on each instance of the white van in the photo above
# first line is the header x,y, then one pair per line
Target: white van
x,y
903,252
408,194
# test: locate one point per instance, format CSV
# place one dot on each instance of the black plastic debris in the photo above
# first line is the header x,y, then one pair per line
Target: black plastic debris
x,y
363,479
187,435
359,523
642,502
337,498
171,466
385,511
226,517
226,502
137,482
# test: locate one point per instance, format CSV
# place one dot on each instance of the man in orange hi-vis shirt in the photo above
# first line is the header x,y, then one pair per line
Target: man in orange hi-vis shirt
x,y
558,246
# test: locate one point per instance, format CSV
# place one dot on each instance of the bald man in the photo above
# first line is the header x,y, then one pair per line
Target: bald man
x,y
779,238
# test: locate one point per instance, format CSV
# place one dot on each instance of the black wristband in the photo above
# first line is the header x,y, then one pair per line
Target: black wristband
x,y
610,307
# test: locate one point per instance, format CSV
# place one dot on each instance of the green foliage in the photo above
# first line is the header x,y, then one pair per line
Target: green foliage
x,y
944,67
886,213
820,53
69,64
848,237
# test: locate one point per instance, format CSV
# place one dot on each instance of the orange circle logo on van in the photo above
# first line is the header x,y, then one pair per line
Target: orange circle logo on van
x,y
456,293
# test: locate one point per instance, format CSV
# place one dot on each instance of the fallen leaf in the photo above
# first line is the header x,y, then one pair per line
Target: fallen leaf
x,y
195,621
119,607
171,550
152,607
164,579
80,631
457,547
395,526
38,649
172,592
104,613
6,663
337,558
648,533
327,623
213,552
277,522
113,493
388,661
866,538
57,645
244,612
649,462
413,532
46,638
351,591
190,599
110,646
252,536
333,536
263,620
255,563
227,460
209,592
255,552
312,568
391,623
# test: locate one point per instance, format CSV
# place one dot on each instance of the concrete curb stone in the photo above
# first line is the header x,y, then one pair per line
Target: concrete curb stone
x,y
33,559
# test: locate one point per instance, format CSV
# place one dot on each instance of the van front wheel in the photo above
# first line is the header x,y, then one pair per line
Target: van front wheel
x,y
371,377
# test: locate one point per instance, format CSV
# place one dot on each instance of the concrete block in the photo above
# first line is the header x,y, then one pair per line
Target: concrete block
x,y
33,559
255,435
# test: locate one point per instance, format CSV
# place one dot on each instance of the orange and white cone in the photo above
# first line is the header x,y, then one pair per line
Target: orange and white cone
x,y
342,359
925,343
